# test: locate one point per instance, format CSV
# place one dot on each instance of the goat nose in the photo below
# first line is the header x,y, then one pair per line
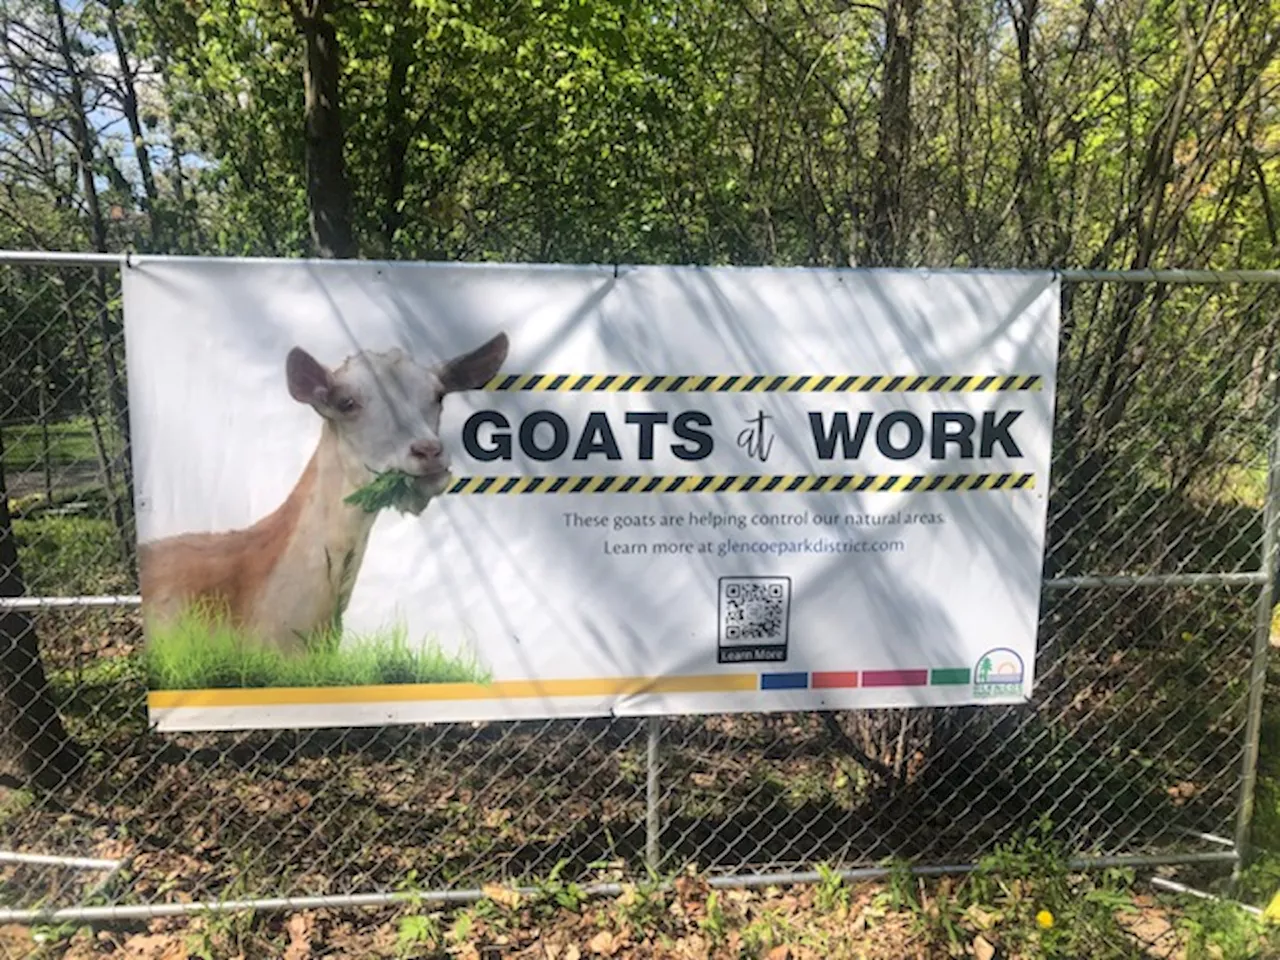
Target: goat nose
x,y
426,449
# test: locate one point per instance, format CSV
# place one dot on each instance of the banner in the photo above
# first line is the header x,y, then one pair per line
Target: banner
x,y
374,493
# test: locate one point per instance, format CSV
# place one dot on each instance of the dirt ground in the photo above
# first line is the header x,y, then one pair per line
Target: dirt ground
x,y
690,922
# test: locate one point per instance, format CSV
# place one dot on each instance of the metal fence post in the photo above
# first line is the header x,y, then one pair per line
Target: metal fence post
x,y
1261,643
653,799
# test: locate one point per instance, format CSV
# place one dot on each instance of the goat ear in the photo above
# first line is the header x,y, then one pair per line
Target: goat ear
x,y
473,370
309,381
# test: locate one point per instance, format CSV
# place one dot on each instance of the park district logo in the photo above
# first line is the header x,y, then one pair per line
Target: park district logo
x,y
998,673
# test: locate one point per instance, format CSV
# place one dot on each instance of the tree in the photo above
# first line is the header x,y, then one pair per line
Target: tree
x,y
32,736
328,193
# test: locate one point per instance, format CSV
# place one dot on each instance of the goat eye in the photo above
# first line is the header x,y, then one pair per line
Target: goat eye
x,y
346,405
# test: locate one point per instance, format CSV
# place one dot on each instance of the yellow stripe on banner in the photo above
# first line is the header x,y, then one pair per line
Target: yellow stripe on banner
x,y
735,483
761,383
499,690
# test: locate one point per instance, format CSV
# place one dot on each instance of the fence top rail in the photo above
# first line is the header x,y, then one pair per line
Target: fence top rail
x,y
1071,275
1170,276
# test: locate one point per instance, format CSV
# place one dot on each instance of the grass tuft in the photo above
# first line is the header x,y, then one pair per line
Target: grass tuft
x,y
201,653
70,442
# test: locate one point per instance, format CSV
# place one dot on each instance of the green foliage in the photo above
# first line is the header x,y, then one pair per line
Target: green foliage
x,y
391,489
1029,901
69,442
100,695
833,893
1260,878
645,905
71,554
201,652
551,893
417,931
902,886
691,131
14,803
1219,930
460,930
714,923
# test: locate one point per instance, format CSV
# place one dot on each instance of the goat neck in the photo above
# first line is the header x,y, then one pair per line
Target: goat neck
x,y
326,540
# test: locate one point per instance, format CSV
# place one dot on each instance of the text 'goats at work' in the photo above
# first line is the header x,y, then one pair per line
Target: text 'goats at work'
x,y
690,435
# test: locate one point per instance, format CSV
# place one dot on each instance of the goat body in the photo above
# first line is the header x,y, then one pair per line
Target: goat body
x,y
279,580
290,575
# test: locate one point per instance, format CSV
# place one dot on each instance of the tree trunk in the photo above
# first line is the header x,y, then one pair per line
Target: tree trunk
x,y
888,228
398,130
32,737
85,141
80,135
130,106
1028,189
328,191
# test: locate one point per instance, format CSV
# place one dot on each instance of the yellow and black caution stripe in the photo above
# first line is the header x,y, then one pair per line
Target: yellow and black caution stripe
x,y
799,383
832,483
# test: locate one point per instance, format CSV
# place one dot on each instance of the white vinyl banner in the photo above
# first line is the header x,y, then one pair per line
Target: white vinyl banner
x,y
376,493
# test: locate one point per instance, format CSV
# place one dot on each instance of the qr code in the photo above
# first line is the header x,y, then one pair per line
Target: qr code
x,y
755,614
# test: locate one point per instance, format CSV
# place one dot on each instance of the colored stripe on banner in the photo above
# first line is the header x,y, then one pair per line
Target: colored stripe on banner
x,y
784,681
850,679
834,483
582,687
835,679
895,678
745,383
498,690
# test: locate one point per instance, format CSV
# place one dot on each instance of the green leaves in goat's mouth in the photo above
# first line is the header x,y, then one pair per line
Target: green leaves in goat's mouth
x,y
393,489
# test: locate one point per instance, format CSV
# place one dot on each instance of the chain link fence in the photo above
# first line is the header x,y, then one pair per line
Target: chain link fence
x,y
1139,746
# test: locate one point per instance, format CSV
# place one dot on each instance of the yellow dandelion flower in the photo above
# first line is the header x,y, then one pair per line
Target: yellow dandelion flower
x,y
1045,919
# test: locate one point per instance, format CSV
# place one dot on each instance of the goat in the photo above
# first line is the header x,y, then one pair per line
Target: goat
x,y
291,573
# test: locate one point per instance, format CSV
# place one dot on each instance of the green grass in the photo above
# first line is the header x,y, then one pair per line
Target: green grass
x,y
72,555
69,442
1261,878
202,653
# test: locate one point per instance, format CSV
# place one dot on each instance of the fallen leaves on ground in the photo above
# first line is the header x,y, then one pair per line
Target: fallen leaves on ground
x,y
680,923
982,948
504,896
605,943
300,928
154,946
